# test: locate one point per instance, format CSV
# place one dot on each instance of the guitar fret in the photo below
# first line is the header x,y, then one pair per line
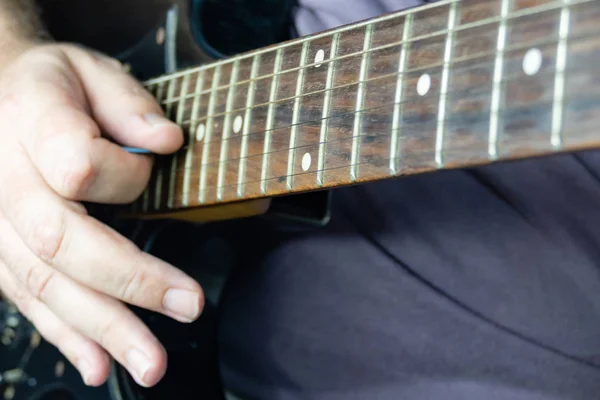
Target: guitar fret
x,y
247,125
296,115
357,127
169,101
181,106
396,127
497,85
226,130
559,82
208,134
441,120
189,153
180,109
270,121
326,108
159,172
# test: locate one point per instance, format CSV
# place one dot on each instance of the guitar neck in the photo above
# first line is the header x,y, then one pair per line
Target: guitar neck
x,y
449,85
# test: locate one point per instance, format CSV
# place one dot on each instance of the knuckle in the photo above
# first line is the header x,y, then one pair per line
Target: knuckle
x,y
133,284
38,279
74,171
78,174
106,331
47,237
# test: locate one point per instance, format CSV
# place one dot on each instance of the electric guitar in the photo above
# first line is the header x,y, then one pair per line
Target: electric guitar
x,y
453,84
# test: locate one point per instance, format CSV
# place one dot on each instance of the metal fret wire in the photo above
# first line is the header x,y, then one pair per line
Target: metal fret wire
x,y
247,124
559,82
270,119
192,133
394,147
173,175
432,66
206,142
498,76
466,26
360,97
439,136
387,133
159,173
226,130
296,115
326,106
417,69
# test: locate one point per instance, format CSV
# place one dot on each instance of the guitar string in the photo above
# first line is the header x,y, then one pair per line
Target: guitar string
x,y
384,170
372,110
466,26
406,100
371,80
485,158
481,55
350,138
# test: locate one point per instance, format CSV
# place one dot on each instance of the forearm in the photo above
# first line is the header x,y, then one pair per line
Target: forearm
x,y
20,28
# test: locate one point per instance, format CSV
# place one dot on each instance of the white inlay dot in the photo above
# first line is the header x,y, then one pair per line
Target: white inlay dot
x,y
319,58
306,160
200,132
238,122
424,84
532,62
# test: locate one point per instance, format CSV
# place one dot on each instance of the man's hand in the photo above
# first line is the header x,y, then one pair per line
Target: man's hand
x,y
68,273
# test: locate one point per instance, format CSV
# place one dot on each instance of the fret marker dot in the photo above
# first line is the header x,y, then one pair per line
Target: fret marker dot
x,y
424,84
200,132
238,122
532,62
306,160
319,58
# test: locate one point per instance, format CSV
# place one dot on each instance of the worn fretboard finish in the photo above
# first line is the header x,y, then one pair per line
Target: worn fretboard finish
x,y
449,85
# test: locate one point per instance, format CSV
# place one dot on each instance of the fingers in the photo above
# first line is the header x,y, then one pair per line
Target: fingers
x,y
64,144
79,165
91,361
67,240
122,107
98,317
61,107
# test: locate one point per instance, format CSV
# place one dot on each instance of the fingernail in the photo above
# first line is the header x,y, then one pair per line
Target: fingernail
x,y
182,302
85,369
138,364
157,119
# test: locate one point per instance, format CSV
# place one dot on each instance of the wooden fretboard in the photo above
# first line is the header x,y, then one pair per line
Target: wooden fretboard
x,y
449,85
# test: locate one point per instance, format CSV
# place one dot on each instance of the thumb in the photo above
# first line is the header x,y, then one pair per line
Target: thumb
x,y
123,109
